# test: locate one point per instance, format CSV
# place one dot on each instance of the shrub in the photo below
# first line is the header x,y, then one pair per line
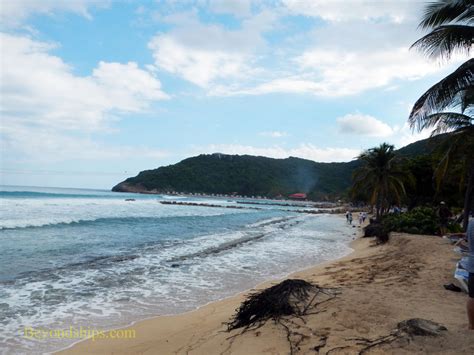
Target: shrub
x,y
420,220
378,231
454,227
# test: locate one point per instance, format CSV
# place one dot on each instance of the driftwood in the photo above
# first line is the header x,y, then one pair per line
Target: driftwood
x,y
283,303
405,330
289,297
289,302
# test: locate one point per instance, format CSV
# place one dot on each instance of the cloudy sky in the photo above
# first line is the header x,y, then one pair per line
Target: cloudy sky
x,y
94,91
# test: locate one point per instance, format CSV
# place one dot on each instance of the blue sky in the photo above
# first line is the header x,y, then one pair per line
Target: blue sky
x,y
95,91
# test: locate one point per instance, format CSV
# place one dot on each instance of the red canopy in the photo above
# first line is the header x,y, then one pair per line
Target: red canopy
x,y
298,195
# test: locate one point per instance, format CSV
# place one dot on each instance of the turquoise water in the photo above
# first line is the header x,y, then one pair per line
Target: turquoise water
x,y
90,258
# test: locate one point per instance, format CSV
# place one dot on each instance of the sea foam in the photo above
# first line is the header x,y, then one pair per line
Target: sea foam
x,y
104,262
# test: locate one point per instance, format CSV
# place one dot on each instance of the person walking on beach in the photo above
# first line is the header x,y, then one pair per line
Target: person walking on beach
x,y
469,266
347,216
350,218
364,216
361,218
444,214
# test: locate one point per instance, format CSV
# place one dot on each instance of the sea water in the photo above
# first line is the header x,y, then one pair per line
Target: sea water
x,y
91,259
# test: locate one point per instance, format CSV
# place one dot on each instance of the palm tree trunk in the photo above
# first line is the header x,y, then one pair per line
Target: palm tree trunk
x,y
469,194
377,209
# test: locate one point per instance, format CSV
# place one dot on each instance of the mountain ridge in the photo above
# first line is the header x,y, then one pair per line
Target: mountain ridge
x,y
249,175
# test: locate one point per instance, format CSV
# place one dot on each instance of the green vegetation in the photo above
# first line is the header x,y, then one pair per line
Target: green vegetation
x,y
252,176
448,105
420,220
381,178
423,191
246,175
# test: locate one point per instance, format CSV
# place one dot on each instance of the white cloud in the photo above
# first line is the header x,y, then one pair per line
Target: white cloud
x,y
359,46
333,73
240,8
340,59
364,125
14,12
344,10
305,151
50,145
197,65
129,88
346,73
405,136
369,126
46,109
273,134
40,89
207,54
292,85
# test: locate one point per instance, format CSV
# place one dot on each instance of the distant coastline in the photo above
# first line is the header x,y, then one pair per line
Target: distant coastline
x,y
246,176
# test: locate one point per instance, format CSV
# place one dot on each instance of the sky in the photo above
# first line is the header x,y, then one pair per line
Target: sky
x,y
94,91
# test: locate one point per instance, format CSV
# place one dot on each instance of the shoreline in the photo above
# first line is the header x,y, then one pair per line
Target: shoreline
x,y
259,286
357,246
299,247
379,286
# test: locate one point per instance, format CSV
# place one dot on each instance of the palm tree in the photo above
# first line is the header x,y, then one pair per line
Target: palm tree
x,y
380,177
450,21
448,106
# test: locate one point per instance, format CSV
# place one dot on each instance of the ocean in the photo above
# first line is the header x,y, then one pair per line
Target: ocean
x,y
77,257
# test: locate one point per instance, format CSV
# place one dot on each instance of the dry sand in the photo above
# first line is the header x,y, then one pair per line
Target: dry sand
x,y
378,287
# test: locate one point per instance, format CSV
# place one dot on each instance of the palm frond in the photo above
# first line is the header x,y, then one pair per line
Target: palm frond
x,y
446,121
375,195
466,99
446,11
451,121
443,41
380,177
450,147
467,16
441,169
458,146
442,94
397,189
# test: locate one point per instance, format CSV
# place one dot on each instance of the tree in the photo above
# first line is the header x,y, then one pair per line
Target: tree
x,y
448,106
380,178
425,190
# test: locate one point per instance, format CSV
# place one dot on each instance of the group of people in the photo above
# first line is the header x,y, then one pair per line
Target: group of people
x,y
362,217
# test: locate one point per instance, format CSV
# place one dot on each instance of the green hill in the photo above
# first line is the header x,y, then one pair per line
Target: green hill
x,y
252,175
422,147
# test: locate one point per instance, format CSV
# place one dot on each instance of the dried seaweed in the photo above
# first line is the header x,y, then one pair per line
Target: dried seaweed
x,y
290,300
284,299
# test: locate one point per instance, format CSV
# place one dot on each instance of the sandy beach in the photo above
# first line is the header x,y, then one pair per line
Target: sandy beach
x,y
377,287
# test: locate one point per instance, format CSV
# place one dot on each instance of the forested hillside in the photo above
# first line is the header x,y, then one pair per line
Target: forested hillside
x,y
251,175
